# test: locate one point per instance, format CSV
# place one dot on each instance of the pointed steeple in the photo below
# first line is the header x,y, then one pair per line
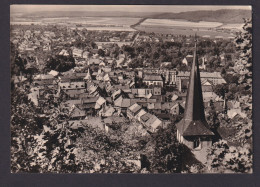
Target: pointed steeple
x,y
194,122
88,76
194,108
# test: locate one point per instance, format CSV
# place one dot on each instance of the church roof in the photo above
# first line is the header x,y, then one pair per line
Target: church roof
x,y
194,122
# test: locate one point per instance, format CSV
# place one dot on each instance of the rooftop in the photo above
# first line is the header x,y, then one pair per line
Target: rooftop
x,y
148,77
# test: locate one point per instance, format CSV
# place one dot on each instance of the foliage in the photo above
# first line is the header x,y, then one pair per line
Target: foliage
x,y
165,152
60,63
225,159
244,45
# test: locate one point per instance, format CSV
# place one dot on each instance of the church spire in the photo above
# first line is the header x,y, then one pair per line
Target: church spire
x,y
194,102
88,76
194,122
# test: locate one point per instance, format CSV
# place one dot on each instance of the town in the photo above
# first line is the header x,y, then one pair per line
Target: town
x,y
90,101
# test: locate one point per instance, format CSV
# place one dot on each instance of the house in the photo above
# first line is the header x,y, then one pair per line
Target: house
x,y
155,108
69,103
77,52
150,122
71,85
122,104
43,79
107,111
236,112
193,130
155,80
74,93
139,114
142,101
207,86
100,103
133,110
77,113
177,109
94,61
174,97
209,96
64,52
170,76
89,104
214,77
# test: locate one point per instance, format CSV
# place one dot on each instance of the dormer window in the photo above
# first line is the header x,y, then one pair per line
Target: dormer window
x,y
197,144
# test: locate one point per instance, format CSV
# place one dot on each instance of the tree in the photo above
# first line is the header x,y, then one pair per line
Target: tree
x,y
244,45
221,89
165,155
60,63
101,52
229,159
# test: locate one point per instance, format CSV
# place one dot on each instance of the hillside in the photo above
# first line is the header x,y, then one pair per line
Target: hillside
x,y
223,16
88,14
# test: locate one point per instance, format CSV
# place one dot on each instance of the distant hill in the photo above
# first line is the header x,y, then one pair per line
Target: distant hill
x,y
88,14
223,15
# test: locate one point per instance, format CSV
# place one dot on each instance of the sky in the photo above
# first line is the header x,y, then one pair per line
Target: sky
x,y
125,8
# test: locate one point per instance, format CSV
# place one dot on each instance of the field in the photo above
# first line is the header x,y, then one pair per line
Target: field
x,y
164,26
183,31
180,23
95,21
183,27
104,28
232,26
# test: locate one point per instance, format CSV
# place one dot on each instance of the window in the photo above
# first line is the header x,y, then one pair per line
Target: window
x,y
196,144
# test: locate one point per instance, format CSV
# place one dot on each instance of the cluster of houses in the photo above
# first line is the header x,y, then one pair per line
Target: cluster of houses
x,y
112,95
109,91
28,41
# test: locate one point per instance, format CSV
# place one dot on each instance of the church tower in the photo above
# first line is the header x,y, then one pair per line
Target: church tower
x,y
193,130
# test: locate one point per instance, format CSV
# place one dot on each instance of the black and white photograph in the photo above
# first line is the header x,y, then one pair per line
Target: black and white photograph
x,y
143,89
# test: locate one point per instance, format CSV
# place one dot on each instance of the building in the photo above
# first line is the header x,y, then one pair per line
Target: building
x,y
170,76
193,130
214,77
155,80
43,79
133,110
150,122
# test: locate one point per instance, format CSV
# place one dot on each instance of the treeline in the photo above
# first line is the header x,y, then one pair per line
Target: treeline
x,y
154,53
223,15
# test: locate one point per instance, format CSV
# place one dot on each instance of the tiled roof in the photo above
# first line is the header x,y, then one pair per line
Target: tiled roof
x,y
89,100
202,74
42,77
146,117
193,128
134,108
152,78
